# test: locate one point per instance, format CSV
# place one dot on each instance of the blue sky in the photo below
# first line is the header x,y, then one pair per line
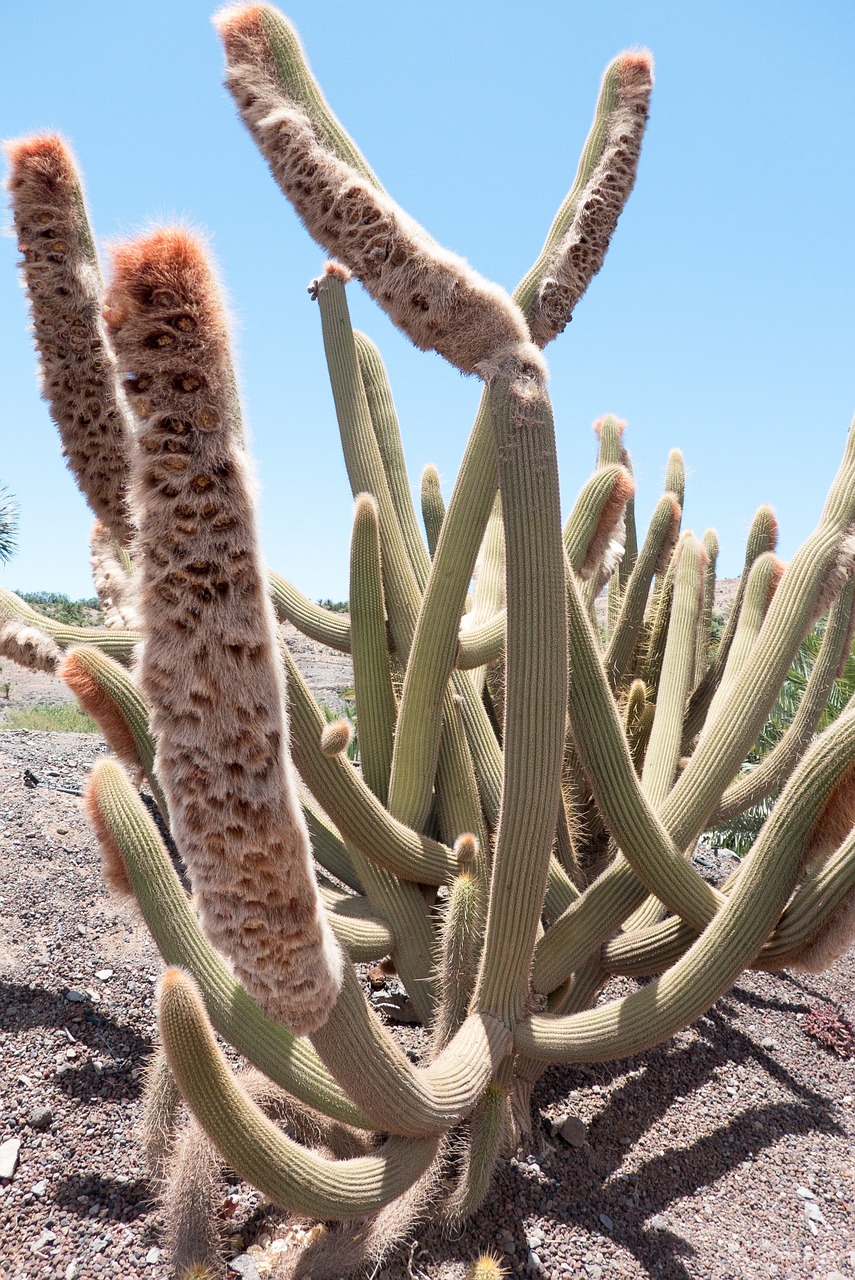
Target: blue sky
x,y
721,323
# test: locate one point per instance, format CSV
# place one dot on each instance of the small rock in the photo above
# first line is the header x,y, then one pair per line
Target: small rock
x,y
103,974
39,1188
813,1213
40,1118
535,1239
47,1237
805,1193
75,996
245,1267
9,1157
834,1275
72,1271
153,1256
532,1262
768,1043
574,1131
659,1222
606,1221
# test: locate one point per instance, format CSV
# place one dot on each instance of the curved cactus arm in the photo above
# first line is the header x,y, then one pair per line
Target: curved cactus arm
x,y
433,506
818,924
135,854
762,583
288,1174
481,645
762,537
106,690
363,936
398,1097
118,644
775,767
597,512
704,640
656,550
384,419
536,679
655,859
28,646
63,282
812,579
361,819
729,944
327,845
489,1127
312,620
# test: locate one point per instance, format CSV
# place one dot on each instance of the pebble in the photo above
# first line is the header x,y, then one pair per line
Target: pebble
x,y
659,1222
574,1131
40,1118
72,1271
103,974
606,1221
532,1262
9,1157
153,1256
75,996
813,1213
245,1267
805,1193
39,1188
535,1239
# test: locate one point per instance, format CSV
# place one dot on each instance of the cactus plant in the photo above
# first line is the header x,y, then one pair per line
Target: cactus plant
x,y
531,787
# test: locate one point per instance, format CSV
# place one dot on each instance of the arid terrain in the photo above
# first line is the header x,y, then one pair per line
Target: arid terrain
x,y
726,1154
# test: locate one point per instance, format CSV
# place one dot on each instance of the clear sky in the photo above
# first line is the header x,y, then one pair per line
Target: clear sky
x,y
722,321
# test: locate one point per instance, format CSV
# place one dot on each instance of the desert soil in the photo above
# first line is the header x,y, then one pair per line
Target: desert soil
x,y
726,1154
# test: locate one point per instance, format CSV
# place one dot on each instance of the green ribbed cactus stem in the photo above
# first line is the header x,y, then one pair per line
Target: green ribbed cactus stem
x,y
313,620
459,950
488,595
433,506
287,1173
655,553
536,691
761,586
328,848
387,432
390,897
775,767
762,537
675,476
379,1077
487,1130
704,641
131,845
657,623
638,716
107,692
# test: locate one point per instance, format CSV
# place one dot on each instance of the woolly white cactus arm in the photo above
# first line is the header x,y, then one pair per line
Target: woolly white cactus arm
x,y
213,677
288,1174
64,286
113,581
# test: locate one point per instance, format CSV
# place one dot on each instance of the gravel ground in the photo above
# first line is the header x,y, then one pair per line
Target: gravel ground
x,y
726,1154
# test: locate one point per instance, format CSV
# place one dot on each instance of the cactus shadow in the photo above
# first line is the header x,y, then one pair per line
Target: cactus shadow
x,y
124,1199
24,1007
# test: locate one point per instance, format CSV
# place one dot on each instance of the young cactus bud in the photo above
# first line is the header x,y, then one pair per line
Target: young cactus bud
x,y
211,670
465,850
433,295
336,737
64,286
579,254
487,1266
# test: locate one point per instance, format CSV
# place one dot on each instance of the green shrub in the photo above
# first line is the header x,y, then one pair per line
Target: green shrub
x,y
54,717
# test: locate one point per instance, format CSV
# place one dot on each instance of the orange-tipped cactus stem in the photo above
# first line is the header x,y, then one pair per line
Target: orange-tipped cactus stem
x,y
212,672
63,283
